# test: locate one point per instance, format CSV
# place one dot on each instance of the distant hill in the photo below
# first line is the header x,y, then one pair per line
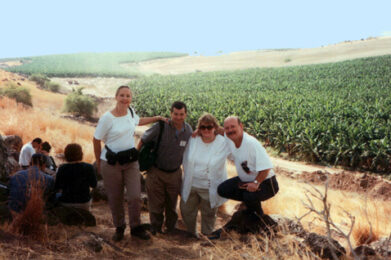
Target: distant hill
x,y
83,64
133,64
347,50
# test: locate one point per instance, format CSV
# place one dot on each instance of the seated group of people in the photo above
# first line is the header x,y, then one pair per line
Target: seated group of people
x,y
69,184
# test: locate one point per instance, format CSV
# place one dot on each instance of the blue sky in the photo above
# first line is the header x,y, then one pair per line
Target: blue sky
x,y
39,27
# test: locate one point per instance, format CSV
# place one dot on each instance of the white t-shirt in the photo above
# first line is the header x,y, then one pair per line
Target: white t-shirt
x,y
203,160
25,154
254,153
116,132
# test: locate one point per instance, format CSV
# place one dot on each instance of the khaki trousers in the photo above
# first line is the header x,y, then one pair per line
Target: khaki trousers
x,y
116,178
163,189
198,200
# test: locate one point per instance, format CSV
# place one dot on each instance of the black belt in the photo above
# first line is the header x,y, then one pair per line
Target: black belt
x,y
169,171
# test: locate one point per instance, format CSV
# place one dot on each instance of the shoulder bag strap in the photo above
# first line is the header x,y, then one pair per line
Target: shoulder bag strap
x,y
131,111
161,127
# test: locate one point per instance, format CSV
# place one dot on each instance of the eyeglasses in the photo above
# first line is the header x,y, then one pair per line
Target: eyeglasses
x,y
209,127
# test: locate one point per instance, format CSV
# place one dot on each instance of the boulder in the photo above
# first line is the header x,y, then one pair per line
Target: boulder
x,y
382,247
364,252
320,245
5,214
4,174
70,216
244,222
4,191
9,155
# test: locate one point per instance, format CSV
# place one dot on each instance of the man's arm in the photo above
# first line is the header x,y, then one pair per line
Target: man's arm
x,y
252,186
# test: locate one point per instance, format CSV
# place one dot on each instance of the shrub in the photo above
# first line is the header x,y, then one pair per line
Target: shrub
x,y
51,86
79,104
20,94
40,79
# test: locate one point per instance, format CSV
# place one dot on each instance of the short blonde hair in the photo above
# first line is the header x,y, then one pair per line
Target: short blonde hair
x,y
208,118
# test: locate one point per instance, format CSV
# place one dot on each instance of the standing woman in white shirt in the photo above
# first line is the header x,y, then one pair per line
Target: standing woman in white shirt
x,y
204,164
117,162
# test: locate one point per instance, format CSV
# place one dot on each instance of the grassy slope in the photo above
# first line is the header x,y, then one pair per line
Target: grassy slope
x,y
87,64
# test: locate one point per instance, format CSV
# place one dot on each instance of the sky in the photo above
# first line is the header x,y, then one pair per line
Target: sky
x,y
202,27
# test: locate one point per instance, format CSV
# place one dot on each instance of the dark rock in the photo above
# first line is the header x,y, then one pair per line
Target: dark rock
x,y
321,246
286,225
4,174
4,191
94,244
364,251
9,155
382,247
244,222
5,214
70,216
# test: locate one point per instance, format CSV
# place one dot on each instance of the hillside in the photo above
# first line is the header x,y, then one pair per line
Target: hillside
x,y
266,58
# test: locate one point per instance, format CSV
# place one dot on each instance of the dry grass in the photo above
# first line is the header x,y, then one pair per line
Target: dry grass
x,y
30,221
367,213
16,119
42,99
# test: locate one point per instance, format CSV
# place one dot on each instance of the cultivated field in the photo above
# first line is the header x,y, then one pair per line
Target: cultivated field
x,y
335,114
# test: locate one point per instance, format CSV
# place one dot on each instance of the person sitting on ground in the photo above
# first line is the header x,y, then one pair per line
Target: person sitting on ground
x,y
27,151
75,178
24,181
204,167
51,166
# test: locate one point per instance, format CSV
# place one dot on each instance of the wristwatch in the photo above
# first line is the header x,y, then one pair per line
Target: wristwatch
x,y
256,182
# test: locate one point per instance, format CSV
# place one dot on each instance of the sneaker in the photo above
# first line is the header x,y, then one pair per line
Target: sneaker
x,y
139,232
119,234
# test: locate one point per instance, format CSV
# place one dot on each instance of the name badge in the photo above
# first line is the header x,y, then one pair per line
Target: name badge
x,y
182,144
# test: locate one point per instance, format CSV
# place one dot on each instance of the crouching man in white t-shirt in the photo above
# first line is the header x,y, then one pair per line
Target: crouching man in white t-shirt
x,y
256,179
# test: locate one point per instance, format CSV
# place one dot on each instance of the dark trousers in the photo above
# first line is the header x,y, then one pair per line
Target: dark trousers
x,y
230,189
163,189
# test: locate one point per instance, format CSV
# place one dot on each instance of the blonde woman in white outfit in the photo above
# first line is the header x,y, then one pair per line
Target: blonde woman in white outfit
x,y
204,165
117,162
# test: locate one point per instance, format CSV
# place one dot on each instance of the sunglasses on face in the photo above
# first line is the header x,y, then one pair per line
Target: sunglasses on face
x,y
209,127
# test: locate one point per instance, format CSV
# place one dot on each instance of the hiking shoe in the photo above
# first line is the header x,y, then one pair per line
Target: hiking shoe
x,y
119,234
155,230
139,232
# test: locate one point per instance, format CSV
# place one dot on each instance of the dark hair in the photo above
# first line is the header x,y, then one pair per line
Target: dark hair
x,y
46,147
178,105
119,88
37,140
38,159
73,153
